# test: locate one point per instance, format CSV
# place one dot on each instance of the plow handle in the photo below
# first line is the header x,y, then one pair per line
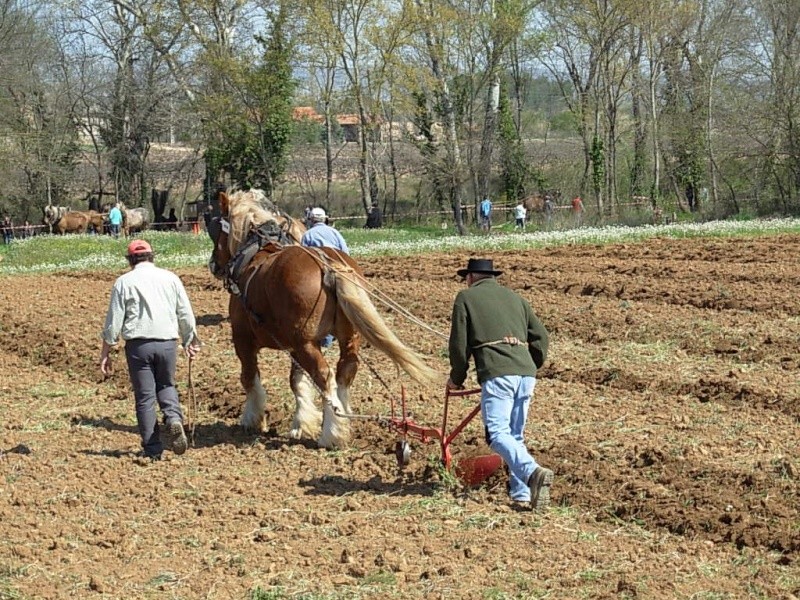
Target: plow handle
x,y
447,439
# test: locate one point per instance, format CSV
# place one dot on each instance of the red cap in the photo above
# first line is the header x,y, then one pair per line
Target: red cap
x,y
139,247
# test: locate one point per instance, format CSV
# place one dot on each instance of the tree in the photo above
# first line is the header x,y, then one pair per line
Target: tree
x,y
253,139
35,112
432,19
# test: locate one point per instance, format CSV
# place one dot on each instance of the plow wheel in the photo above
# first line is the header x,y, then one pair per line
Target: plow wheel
x,y
402,450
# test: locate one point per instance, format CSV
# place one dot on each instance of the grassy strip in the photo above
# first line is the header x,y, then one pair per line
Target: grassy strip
x,y
174,250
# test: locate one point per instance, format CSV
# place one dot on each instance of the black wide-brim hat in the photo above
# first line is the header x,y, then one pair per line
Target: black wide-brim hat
x,y
484,266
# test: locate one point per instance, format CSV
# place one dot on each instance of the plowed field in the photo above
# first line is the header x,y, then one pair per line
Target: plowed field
x,y
669,411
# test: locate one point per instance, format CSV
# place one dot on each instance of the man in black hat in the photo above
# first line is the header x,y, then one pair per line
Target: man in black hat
x,y
498,328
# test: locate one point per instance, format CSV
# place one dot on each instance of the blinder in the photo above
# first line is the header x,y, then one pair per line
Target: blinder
x,y
216,226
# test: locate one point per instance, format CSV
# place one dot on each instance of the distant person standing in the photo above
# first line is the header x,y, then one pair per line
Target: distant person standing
x,y
520,212
549,207
8,230
307,216
115,220
172,221
374,217
577,210
149,308
486,214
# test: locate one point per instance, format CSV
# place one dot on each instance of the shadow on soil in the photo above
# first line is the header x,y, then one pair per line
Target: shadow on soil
x,y
334,485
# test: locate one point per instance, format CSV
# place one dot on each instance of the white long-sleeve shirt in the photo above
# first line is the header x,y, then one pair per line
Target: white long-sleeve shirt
x,y
150,303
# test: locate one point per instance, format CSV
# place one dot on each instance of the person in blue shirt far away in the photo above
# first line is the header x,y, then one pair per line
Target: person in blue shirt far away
x,y
115,220
486,214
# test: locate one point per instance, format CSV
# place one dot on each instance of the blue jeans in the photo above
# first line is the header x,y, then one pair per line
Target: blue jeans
x,y
326,341
504,408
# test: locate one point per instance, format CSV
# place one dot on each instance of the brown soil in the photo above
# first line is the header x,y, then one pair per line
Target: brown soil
x,y
669,411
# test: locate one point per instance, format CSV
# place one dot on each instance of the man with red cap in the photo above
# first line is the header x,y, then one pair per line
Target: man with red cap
x,y
149,308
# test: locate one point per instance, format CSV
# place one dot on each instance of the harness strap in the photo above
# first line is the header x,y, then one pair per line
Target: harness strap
x,y
249,279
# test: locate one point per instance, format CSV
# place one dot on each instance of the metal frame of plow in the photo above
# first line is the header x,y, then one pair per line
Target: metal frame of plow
x,y
472,470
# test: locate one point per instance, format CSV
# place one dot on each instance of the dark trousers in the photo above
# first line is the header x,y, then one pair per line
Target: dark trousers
x,y
151,365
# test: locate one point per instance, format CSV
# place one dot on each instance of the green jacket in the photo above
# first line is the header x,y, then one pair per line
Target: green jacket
x,y
485,313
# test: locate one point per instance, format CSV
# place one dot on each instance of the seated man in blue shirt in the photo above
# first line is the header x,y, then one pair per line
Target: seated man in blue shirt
x,y
321,235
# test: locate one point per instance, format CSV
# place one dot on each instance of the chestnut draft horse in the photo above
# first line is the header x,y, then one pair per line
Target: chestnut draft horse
x,y
289,297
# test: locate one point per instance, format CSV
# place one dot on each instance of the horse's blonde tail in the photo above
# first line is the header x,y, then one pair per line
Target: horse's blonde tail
x,y
361,312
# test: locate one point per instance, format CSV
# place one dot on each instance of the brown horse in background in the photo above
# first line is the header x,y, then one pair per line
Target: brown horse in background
x,y
95,219
289,297
72,222
534,203
63,220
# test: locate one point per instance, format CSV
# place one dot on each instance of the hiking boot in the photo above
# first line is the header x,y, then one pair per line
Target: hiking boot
x,y
144,459
176,437
540,482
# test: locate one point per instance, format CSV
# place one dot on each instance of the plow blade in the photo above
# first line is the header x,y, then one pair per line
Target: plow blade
x,y
474,470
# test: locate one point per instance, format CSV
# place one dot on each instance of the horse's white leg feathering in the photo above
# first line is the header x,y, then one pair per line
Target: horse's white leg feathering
x,y
335,430
253,415
307,419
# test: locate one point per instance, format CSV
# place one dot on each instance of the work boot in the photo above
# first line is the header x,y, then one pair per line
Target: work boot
x,y
540,482
176,437
144,459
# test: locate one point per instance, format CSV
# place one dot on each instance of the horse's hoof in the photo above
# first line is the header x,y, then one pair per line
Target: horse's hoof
x,y
250,427
296,433
332,442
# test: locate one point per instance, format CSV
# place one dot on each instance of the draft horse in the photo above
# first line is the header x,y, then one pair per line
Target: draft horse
x,y
288,297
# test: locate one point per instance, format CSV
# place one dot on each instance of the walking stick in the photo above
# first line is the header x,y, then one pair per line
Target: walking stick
x,y
194,400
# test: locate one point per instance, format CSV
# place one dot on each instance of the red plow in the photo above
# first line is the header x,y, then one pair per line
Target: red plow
x,y
471,470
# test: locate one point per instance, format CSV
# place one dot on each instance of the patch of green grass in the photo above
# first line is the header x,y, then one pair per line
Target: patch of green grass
x,y
7,589
47,391
186,493
44,426
494,593
259,593
587,536
8,592
655,352
481,521
43,254
163,578
590,575
379,578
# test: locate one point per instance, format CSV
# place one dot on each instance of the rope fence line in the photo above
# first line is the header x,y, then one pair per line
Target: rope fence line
x,y
196,225
496,208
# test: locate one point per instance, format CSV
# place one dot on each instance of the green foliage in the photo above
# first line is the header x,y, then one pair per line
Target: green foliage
x,y
564,122
307,131
250,140
512,151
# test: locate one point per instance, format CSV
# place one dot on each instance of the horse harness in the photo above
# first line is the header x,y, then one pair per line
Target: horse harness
x,y
267,233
